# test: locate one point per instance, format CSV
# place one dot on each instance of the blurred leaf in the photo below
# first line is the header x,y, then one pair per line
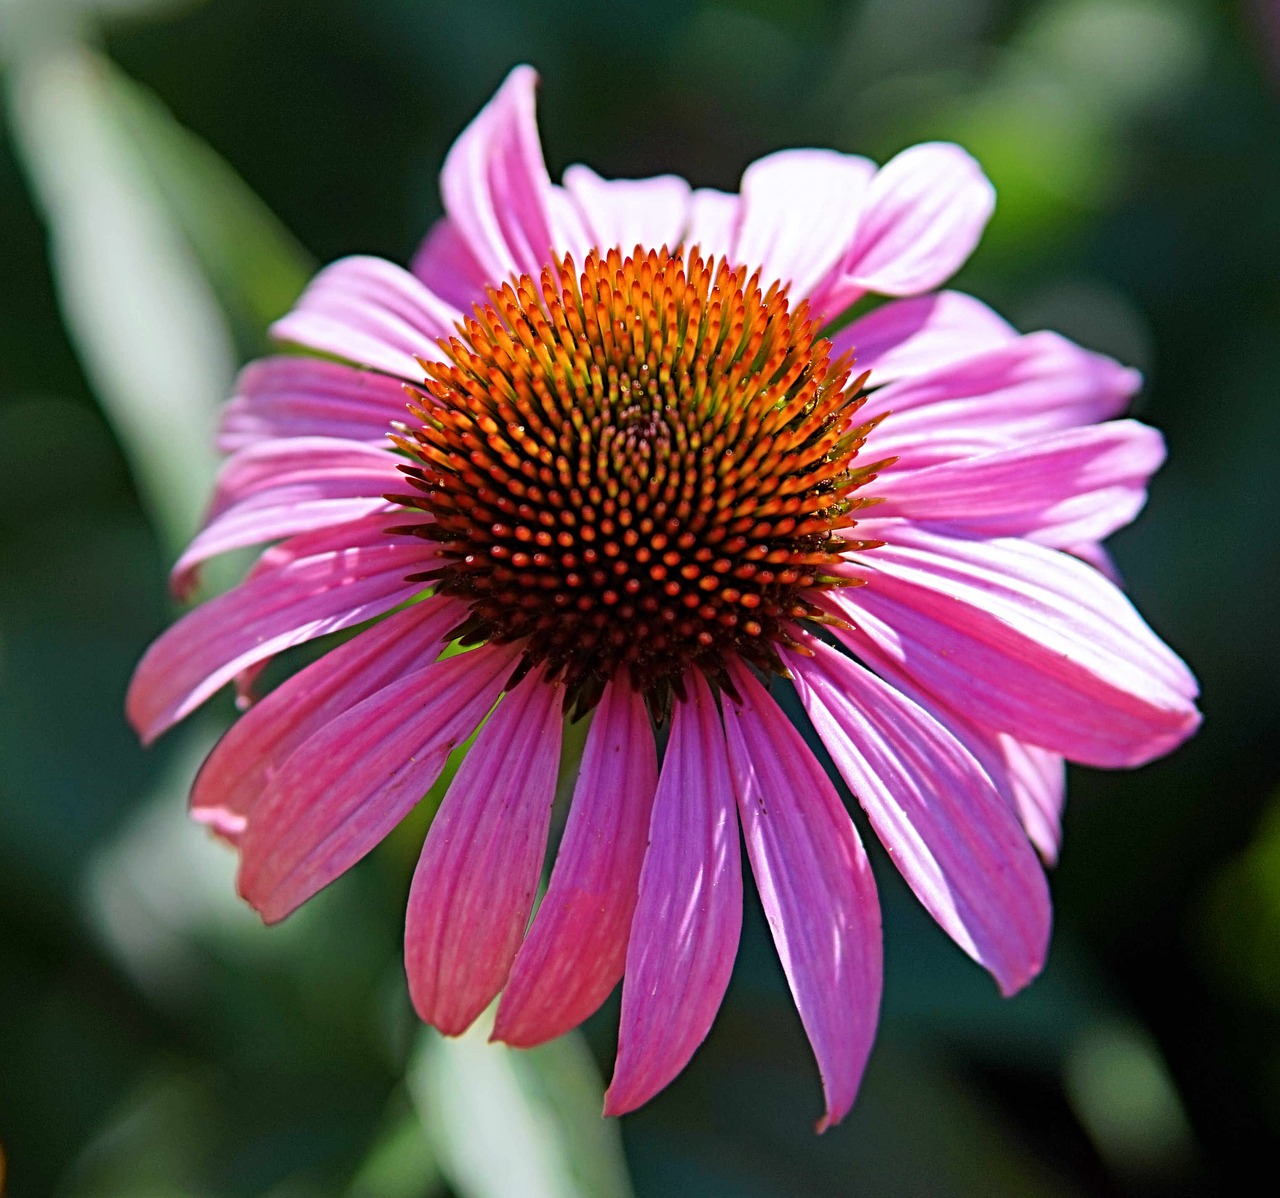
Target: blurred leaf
x,y
147,328
511,1123
402,1163
1122,55
254,262
162,886
153,1146
1241,924
1054,124
1122,1092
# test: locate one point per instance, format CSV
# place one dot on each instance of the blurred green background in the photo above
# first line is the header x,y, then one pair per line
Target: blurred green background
x,y
170,172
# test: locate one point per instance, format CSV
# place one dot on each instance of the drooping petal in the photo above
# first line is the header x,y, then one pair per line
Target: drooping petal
x,y
956,841
251,753
343,790
369,312
495,184
713,223
916,336
815,885
370,530
265,519
574,953
332,587
624,213
1035,385
278,488
1030,780
282,462
684,934
799,212
1024,639
475,883
309,397
923,214
1039,783
445,264
1073,486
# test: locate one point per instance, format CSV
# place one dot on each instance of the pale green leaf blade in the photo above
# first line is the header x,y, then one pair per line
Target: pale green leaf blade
x,y
148,330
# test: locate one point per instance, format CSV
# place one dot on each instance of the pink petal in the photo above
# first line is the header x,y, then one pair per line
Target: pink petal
x,y
264,520
713,223
343,790
685,931
1039,780
278,488
367,530
445,264
569,232
799,212
475,883
283,462
1024,639
916,336
331,588
574,953
1035,385
1097,557
922,217
495,184
371,313
245,760
624,213
1031,780
1077,485
956,841
815,884
309,397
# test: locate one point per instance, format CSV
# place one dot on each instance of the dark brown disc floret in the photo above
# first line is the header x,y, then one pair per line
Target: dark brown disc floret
x,y
648,465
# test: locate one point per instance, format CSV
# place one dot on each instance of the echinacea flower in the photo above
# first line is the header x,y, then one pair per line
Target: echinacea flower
x,y
634,481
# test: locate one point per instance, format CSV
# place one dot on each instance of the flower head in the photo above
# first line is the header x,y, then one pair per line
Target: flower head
x,y
632,480
644,467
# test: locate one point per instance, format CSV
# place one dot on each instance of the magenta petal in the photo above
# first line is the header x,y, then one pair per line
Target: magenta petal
x,y
251,753
684,934
923,214
351,782
915,336
445,264
369,312
264,520
282,462
956,841
799,212
1029,387
331,588
278,488
574,953
1097,557
815,885
1039,782
1024,639
624,213
309,397
495,184
1075,486
475,883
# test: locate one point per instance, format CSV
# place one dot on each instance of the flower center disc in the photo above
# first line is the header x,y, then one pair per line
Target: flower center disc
x,y
643,467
